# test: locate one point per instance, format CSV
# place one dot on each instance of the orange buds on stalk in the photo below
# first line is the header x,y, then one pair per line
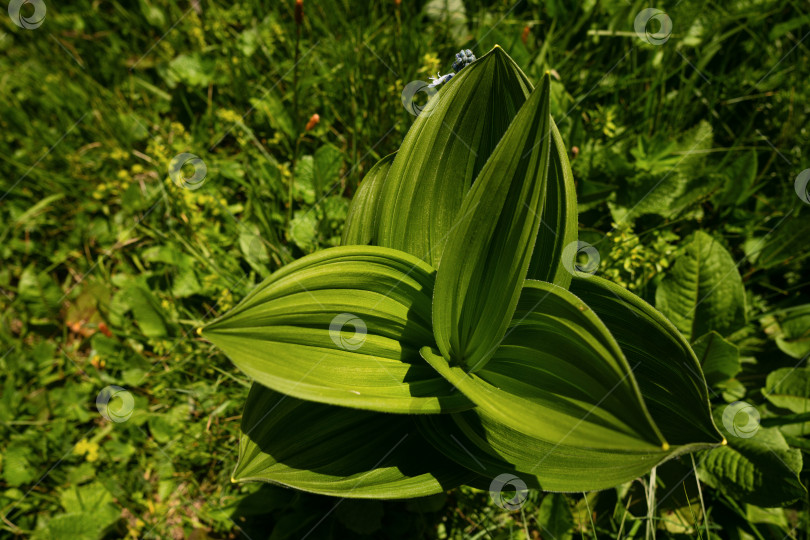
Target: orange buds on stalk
x,y
299,12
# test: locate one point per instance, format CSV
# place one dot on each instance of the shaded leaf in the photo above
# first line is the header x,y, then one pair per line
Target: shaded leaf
x,y
782,244
719,359
740,169
555,518
761,470
338,451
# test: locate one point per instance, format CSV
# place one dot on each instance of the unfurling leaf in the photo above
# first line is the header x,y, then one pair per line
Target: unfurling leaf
x,y
361,223
443,152
490,247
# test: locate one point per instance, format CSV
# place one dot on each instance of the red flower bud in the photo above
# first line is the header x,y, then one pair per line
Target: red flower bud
x,y
313,121
525,35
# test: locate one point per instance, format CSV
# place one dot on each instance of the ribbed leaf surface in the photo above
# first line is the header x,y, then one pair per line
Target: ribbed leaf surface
x,y
338,451
490,247
443,152
341,326
361,222
665,367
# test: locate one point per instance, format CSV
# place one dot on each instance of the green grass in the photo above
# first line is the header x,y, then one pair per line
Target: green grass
x,y
107,266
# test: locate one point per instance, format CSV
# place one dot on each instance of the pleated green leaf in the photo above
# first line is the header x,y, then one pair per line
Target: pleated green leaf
x,y
490,247
361,222
338,451
341,326
557,398
665,367
559,228
489,448
443,152
703,291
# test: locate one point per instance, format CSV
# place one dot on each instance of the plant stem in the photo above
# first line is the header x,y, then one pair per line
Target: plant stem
x,y
700,494
650,533
296,121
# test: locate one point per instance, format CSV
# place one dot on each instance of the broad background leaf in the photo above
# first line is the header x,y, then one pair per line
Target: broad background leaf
x,y
703,291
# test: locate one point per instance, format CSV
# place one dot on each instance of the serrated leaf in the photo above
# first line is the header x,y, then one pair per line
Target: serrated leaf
x,y
362,221
488,251
719,359
703,291
761,469
341,326
665,366
443,152
338,451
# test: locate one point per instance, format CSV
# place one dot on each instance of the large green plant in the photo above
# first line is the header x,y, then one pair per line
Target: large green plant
x,y
451,338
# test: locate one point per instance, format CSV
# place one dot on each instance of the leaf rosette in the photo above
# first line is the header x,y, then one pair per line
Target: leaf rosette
x,y
447,341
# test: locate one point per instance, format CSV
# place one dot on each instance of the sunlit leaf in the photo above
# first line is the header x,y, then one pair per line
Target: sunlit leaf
x,y
789,388
558,398
361,223
664,365
342,326
444,151
559,226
